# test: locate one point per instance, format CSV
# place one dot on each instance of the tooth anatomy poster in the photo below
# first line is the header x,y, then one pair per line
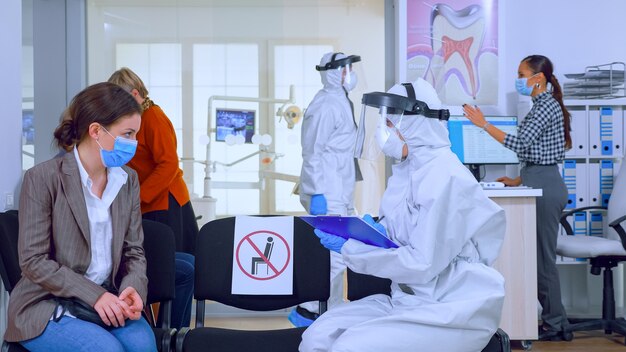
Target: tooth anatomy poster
x,y
453,44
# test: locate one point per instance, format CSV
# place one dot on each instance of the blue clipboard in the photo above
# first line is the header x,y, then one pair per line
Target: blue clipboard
x,y
350,227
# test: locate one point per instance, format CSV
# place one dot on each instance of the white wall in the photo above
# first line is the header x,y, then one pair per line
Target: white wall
x,y
11,112
572,35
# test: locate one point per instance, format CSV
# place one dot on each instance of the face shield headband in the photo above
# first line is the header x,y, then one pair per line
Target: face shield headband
x,y
397,104
386,105
334,64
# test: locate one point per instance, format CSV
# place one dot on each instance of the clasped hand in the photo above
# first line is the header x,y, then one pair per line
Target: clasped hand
x,y
114,310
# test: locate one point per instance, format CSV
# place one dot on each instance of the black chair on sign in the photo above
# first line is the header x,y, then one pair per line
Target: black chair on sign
x,y
160,246
213,280
9,263
361,285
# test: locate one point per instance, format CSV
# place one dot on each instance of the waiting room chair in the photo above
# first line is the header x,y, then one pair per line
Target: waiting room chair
x,y
213,281
159,249
362,285
9,263
160,246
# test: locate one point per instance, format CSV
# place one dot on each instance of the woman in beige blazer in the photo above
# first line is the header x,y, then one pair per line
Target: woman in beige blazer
x,y
80,230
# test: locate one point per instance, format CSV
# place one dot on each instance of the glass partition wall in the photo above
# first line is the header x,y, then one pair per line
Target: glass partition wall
x,y
199,56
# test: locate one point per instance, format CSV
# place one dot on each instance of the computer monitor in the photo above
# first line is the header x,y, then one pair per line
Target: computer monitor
x,y
234,122
475,147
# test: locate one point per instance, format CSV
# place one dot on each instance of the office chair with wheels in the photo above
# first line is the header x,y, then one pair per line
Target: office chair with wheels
x,y
9,263
362,285
159,247
213,281
603,253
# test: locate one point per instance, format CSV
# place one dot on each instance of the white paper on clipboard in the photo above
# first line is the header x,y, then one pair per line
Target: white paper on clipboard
x,y
350,227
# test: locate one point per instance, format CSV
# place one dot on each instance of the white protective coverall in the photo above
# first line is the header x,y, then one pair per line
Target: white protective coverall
x,y
445,296
328,137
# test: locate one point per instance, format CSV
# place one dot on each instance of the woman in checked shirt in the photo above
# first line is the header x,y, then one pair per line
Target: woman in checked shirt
x,y
540,144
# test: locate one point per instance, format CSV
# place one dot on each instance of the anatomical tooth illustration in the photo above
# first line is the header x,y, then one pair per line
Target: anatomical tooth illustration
x,y
460,54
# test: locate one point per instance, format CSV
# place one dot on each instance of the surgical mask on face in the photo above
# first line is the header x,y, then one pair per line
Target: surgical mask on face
x,y
123,150
522,87
389,141
349,83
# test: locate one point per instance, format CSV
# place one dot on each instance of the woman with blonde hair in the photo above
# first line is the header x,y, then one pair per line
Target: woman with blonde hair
x,y
164,194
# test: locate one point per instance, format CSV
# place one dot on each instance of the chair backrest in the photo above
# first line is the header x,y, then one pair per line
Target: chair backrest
x,y
159,246
214,258
9,260
362,285
617,202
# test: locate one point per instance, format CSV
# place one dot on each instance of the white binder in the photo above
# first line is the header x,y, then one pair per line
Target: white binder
x,y
595,144
618,132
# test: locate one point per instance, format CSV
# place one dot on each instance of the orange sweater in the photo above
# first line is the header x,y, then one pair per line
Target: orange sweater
x,y
156,162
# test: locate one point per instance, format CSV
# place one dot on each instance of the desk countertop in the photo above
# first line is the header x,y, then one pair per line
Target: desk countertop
x,y
513,192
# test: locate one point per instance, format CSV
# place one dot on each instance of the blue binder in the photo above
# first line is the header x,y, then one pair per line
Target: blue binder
x,y
350,227
606,130
606,180
569,177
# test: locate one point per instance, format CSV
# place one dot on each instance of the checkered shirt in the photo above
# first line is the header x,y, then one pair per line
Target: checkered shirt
x,y
540,137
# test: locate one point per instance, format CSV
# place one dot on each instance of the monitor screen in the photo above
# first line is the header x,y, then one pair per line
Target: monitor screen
x,y
473,145
234,122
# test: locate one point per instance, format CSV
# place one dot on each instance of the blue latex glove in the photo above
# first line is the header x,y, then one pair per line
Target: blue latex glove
x,y
318,205
378,226
332,242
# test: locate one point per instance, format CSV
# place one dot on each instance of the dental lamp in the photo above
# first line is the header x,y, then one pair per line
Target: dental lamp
x,y
288,111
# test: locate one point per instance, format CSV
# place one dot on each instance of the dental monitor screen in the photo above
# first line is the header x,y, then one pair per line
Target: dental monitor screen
x,y
234,122
473,145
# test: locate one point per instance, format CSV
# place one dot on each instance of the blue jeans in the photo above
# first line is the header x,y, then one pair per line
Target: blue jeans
x,y
181,306
71,334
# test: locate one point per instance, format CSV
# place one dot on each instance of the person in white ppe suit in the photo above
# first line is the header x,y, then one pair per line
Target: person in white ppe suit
x,y
444,294
329,168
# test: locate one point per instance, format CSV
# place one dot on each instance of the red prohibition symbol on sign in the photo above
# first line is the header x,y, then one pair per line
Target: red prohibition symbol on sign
x,y
264,256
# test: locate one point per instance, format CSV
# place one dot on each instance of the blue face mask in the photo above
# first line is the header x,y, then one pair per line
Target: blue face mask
x,y
521,86
123,150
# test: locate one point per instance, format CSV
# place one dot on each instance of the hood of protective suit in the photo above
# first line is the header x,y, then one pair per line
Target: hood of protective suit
x,y
419,132
331,79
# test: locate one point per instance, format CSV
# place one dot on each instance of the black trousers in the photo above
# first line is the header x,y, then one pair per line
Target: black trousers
x,y
182,220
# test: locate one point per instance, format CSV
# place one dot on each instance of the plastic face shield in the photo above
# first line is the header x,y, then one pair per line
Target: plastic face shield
x,y
351,74
382,110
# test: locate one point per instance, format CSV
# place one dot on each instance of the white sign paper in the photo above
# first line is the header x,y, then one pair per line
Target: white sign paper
x,y
263,256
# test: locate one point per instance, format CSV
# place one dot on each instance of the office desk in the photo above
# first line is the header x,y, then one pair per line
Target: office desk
x,y
518,261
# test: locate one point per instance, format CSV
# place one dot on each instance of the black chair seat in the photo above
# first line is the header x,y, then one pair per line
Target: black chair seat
x,y
227,340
